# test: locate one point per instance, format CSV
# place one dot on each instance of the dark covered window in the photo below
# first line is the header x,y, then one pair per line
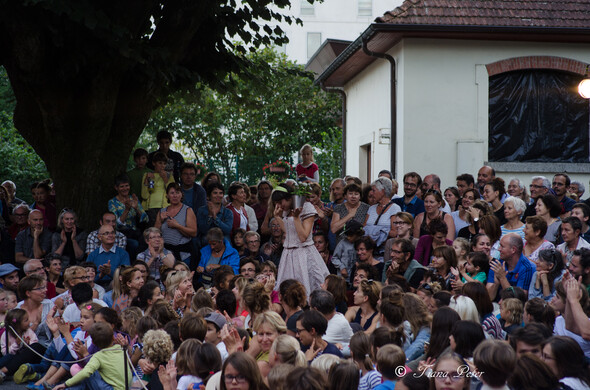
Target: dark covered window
x,y
537,116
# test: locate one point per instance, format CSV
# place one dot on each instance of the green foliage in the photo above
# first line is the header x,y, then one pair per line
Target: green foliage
x,y
255,119
20,163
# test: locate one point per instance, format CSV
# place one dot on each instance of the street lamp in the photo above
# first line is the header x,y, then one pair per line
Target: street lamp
x,y
584,86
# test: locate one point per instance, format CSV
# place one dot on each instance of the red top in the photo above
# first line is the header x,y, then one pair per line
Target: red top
x,y
309,171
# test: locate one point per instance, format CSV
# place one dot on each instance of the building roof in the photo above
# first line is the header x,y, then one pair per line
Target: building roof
x,y
523,13
502,20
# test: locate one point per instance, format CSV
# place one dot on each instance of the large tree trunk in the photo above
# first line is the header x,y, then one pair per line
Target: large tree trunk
x,y
81,115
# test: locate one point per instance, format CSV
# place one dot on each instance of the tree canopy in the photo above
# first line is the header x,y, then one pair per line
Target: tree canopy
x,y
87,75
265,116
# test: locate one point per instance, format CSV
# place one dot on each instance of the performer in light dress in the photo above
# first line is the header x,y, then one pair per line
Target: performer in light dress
x,y
300,259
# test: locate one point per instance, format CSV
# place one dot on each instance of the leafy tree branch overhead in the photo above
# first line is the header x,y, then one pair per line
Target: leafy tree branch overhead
x,y
87,75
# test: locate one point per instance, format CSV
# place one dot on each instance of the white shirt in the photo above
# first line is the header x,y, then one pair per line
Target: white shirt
x,y
187,381
222,350
339,330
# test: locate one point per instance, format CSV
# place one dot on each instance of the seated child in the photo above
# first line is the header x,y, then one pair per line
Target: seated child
x,y
511,312
475,269
107,368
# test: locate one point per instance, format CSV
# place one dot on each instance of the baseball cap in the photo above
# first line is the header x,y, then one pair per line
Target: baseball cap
x,y
216,318
6,269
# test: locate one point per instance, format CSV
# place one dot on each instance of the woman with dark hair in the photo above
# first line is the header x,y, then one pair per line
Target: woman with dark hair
x,y
337,286
178,224
237,199
300,259
550,270
438,237
213,214
465,336
211,177
43,202
443,259
131,282
293,298
490,225
365,247
477,209
534,236
493,192
566,360
549,208
482,243
365,311
352,209
240,371
478,293
433,201
463,209
147,295
537,310
452,198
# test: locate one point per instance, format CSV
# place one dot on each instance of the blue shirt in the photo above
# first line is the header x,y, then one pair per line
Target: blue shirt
x,y
116,255
521,276
415,207
387,385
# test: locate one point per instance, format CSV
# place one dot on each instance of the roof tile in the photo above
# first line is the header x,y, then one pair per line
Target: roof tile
x,y
516,13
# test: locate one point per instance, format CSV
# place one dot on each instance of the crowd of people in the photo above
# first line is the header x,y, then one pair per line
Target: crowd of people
x,y
191,285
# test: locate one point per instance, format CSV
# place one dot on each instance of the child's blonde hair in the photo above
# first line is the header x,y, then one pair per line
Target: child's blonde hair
x,y
306,147
157,346
131,316
515,308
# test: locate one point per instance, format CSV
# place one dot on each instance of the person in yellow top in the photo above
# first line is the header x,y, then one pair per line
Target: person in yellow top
x,y
153,189
106,368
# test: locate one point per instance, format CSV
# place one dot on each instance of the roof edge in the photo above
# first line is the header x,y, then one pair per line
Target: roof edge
x,y
375,28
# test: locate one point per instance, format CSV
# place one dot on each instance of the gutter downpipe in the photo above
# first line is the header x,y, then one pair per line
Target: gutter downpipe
x,y
393,105
343,96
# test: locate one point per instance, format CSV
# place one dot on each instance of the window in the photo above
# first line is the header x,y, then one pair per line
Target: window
x,y
314,40
307,8
537,116
365,8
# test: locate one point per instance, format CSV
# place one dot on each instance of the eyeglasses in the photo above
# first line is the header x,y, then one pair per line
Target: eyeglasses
x,y
108,233
535,186
41,288
34,270
238,378
299,330
396,252
441,376
431,191
400,223
411,185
